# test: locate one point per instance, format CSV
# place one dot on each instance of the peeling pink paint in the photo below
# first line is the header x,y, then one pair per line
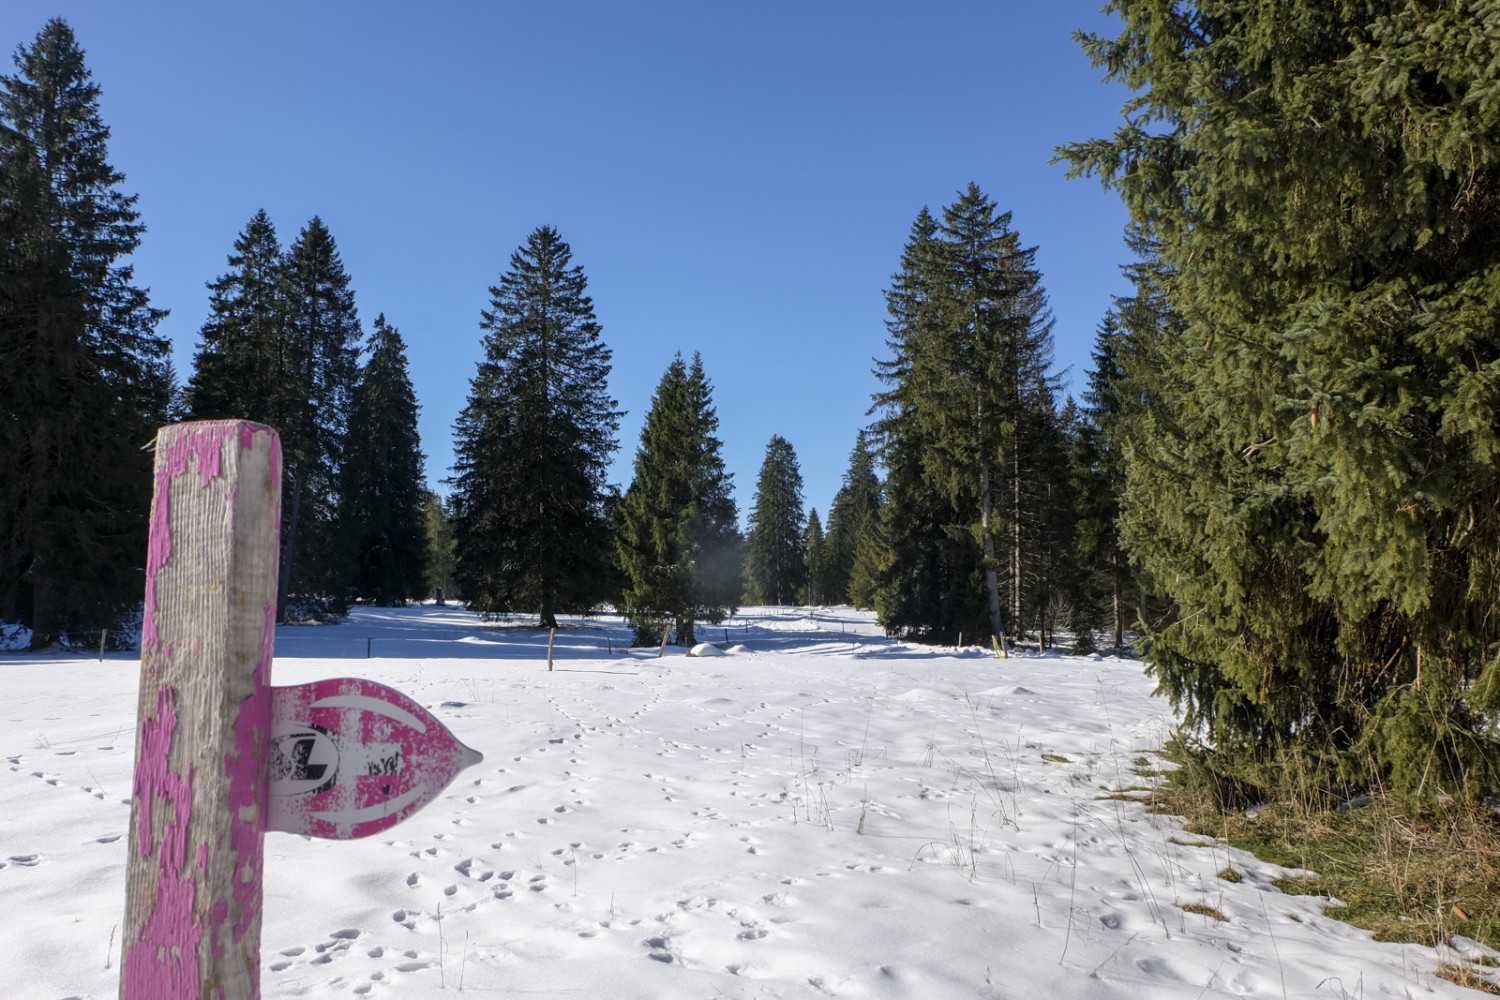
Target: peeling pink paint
x,y
245,769
163,959
204,441
389,758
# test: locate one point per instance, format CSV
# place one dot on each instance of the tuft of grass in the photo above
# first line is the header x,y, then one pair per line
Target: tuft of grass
x,y
1056,758
1464,974
1231,874
1413,876
1203,909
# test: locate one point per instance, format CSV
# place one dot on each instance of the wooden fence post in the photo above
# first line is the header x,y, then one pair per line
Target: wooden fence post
x,y
198,805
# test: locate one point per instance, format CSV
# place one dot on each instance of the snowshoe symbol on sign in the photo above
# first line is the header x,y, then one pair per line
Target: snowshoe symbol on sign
x,y
350,758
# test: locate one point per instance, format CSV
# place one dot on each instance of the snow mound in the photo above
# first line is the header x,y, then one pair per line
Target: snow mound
x,y
706,649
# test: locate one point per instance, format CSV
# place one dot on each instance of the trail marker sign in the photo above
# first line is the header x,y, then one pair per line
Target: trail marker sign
x,y
221,755
350,757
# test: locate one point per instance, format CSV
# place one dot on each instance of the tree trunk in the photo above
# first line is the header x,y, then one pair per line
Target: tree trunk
x,y
991,575
1119,615
43,616
1015,534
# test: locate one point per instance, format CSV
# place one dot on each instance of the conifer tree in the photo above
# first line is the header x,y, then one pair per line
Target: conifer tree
x,y
1312,442
382,513
533,444
815,550
968,414
244,365
280,347
776,561
930,584
679,544
84,379
323,337
441,556
1097,473
851,517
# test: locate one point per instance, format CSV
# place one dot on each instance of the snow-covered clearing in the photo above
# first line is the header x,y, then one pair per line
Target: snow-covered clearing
x,y
820,812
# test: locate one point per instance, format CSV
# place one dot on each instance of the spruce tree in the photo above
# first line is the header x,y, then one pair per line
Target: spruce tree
x,y
815,567
533,444
280,346
776,561
322,342
382,503
851,517
84,379
1311,439
1097,472
930,585
442,559
679,544
968,414
243,368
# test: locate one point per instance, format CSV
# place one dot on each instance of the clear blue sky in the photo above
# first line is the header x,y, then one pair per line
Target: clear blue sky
x,y
735,178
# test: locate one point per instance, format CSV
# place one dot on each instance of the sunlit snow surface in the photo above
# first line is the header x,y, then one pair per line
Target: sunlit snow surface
x,y
819,812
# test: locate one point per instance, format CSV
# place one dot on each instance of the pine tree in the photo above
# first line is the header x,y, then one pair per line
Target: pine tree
x,y
382,513
852,516
679,546
83,377
815,567
1311,434
776,561
968,413
534,442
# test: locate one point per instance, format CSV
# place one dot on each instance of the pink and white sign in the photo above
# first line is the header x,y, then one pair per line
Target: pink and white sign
x,y
350,758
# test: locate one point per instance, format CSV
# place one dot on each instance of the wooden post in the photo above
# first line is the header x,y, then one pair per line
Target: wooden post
x,y
198,804
551,635
103,635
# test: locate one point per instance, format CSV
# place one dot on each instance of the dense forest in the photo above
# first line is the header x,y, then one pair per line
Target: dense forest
x,y
1279,486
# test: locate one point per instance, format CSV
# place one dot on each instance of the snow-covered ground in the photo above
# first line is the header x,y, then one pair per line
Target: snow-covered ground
x,y
820,812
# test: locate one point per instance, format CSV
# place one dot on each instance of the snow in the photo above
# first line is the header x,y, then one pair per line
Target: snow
x,y
817,811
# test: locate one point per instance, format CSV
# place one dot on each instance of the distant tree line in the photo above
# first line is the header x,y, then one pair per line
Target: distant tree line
x,y
968,533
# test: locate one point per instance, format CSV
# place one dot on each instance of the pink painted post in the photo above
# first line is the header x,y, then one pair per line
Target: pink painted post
x,y
198,809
